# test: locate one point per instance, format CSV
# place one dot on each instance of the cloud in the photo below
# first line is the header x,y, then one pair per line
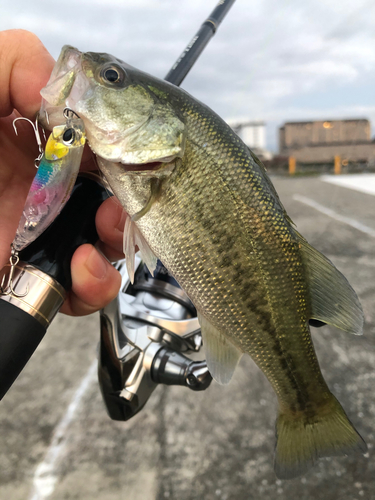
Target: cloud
x,y
270,59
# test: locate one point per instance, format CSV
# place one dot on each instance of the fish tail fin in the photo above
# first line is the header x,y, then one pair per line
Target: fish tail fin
x,y
304,438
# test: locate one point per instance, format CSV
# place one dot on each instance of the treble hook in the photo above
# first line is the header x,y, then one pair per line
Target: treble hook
x,y
67,111
37,136
8,288
47,117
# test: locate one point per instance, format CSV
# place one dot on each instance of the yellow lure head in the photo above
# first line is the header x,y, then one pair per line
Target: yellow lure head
x,y
63,138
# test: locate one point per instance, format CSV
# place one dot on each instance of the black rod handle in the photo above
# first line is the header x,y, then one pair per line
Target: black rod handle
x,y
20,336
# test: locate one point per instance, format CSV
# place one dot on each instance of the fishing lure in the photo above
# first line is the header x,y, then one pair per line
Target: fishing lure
x,y
54,180
58,167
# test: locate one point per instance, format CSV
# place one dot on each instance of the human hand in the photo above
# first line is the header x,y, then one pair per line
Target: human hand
x,y
25,69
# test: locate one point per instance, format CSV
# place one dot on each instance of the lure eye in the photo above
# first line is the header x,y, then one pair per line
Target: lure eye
x,y
69,136
113,75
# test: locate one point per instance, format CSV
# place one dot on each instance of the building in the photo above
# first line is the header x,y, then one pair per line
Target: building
x,y
320,141
253,134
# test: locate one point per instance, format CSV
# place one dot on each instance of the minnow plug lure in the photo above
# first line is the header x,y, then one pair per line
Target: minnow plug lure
x,y
58,168
54,180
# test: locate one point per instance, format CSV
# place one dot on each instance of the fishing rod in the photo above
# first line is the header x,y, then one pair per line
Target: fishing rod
x,y
43,268
195,47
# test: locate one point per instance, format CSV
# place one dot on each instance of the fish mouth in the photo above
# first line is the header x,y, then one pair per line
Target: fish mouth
x,y
152,167
63,76
160,167
65,83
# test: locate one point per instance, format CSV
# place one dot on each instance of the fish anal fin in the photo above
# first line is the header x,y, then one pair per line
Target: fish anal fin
x,y
222,356
303,439
333,300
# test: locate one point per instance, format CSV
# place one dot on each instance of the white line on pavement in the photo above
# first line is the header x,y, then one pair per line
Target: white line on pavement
x,y
365,183
45,476
334,215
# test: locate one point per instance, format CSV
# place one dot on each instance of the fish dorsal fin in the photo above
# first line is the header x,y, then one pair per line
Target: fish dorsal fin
x,y
333,300
222,356
133,238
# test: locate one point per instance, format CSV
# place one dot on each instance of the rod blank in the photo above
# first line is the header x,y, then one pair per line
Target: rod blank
x,y
195,47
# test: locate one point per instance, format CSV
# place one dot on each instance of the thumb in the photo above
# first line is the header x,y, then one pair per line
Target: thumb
x,y
95,282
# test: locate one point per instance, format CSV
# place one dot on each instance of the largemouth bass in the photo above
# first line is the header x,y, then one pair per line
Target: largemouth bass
x,y
202,203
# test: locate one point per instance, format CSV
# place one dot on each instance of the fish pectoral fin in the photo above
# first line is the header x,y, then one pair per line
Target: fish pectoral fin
x,y
333,300
132,238
222,355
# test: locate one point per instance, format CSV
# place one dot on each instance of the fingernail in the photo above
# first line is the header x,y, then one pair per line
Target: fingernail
x,y
97,264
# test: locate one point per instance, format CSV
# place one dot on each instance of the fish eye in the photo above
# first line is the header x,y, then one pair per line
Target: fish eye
x,y
112,74
69,136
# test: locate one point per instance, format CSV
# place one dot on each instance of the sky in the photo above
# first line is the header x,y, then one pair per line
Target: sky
x,y
271,60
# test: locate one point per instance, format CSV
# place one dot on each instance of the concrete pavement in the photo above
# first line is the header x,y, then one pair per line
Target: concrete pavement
x,y
216,445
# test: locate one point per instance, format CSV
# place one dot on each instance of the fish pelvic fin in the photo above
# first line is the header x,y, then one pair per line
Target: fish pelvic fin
x,y
303,438
333,300
132,238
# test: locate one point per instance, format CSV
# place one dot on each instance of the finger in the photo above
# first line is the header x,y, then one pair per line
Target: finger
x,y
110,221
26,66
95,282
111,254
